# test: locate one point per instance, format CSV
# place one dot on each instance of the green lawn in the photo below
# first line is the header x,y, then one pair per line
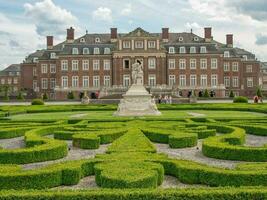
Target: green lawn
x,y
109,115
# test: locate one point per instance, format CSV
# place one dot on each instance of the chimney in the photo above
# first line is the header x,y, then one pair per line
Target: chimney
x,y
165,34
208,34
70,34
49,42
113,34
229,40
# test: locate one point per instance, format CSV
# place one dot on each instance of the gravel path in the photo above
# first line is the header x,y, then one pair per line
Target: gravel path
x,y
13,143
195,154
255,141
196,114
173,182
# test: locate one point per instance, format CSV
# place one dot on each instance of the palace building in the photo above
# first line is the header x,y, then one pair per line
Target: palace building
x,y
174,63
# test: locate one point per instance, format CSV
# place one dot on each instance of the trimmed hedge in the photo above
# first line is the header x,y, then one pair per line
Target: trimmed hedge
x,y
86,141
240,99
37,102
6,133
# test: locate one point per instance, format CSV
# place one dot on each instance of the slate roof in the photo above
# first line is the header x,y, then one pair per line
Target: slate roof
x,y
14,68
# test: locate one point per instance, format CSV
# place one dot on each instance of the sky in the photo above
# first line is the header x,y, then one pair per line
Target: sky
x,y
24,24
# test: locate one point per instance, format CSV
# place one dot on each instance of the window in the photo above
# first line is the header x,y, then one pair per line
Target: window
x,y
235,81
85,51
226,66
151,44
75,51
64,65
97,40
107,81
34,85
107,50
126,44
193,63
245,57
249,68
86,81
106,64
192,49
64,81
182,80
52,83
193,80
9,81
152,80
181,39
172,80
182,50
250,82
196,39
226,54
126,64
235,66
213,80
96,64
15,80
82,40
203,80
44,83
126,80
171,63
44,68
227,81
96,50
52,68
171,50
203,63
139,44
2,81
53,55
203,49
85,65
34,71
151,63
214,63
75,81
75,65
182,64
35,60
96,81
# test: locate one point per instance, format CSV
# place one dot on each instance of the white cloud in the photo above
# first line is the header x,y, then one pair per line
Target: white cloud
x,y
194,26
103,14
49,18
127,10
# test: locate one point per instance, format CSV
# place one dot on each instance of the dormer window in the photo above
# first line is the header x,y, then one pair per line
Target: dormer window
x,y
226,54
151,44
107,50
139,44
192,49
171,50
75,51
245,57
196,39
96,51
35,60
181,39
82,40
97,40
182,50
53,55
85,51
203,49
126,44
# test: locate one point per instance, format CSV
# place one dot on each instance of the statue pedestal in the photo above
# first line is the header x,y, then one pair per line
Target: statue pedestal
x,y
137,102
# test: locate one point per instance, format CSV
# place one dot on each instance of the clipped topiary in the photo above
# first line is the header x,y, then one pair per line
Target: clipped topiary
x,y
232,95
71,95
45,97
259,92
240,99
37,102
206,94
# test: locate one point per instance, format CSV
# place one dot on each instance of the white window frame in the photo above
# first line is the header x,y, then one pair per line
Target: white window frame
x,y
203,80
107,50
151,63
171,63
182,80
107,81
86,51
182,63
226,54
139,44
53,55
107,64
151,44
214,63
235,66
52,83
65,81
53,68
182,50
203,49
227,81
203,63
75,51
126,44
193,80
96,81
214,80
126,80
250,82
171,50
193,50
64,65
75,65
44,83
86,65
44,68
172,80
85,81
235,81
193,63
249,68
152,80
226,66
96,65
96,51
75,81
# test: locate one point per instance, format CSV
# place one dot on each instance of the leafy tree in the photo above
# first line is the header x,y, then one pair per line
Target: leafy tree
x,y
232,95
6,92
206,94
20,96
71,95
45,97
259,92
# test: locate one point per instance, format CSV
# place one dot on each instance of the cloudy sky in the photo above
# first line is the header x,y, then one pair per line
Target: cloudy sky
x,y
25,23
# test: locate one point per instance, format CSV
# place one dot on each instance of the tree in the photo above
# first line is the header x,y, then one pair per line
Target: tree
x,y
71,95
259,92
6,91
232,95
20,96
206,94
45,97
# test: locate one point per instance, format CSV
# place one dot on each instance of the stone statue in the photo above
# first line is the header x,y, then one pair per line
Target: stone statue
x,y
137,73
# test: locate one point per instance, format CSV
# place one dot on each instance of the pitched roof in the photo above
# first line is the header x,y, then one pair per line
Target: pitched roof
x,y
14,68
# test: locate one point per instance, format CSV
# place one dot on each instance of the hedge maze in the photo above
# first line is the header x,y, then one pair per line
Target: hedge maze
x,y
131,163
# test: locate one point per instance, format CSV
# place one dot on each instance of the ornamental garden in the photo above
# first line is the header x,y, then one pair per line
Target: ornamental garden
x,y
192,151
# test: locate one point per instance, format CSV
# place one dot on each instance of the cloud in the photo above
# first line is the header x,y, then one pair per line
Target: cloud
x,y
127,10
49,18
13,44
103,14
194,26
261,39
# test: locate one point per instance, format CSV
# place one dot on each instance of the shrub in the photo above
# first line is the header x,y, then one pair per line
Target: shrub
x,y
206,94
240,99
232,95
37,102
45,97
20,96
71,95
